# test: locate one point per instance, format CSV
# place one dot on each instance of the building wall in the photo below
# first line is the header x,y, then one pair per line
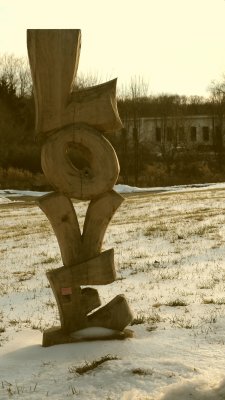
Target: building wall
x,y
190,132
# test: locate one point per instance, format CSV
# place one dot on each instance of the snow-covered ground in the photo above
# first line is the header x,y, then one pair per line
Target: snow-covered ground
x,y
169,255
13,193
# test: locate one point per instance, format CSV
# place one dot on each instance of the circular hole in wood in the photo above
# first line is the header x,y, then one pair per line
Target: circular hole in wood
x,y
80,162
80,157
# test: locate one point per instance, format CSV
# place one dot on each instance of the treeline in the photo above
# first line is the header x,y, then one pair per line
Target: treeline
x,y
20,151
17,142
165,104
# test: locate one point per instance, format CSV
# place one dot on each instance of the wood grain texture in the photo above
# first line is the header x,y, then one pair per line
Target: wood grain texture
x,y
90,299
60,211
114,315
56,335
97,174
79,163
99,270
54,56
72,301
74,246
99,214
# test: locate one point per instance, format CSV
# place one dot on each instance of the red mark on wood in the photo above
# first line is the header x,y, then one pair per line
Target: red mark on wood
x,y
66,290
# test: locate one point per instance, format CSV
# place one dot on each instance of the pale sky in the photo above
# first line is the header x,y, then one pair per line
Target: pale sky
x,y
177,46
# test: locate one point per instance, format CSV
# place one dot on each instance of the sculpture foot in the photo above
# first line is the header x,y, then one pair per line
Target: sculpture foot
x,y
115,315
56,335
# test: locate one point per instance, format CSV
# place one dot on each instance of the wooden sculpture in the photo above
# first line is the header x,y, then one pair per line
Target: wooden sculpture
x,y
74,122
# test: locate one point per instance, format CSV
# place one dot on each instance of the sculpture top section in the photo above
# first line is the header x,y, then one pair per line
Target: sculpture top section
x,y
53,67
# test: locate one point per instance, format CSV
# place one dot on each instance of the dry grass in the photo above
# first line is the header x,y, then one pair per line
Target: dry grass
x,y
90,366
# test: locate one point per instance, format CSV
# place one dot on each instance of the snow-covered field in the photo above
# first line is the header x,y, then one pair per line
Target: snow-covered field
x,y
169,254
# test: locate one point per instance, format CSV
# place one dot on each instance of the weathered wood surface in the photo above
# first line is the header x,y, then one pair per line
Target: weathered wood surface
x,y
114,315
56,335
99,214
74,246
71,299
78,162
71,311
99,270
54,56
90,299
59,210
95,173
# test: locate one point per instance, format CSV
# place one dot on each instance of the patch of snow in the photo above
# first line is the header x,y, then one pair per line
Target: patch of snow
x,y
179,188
16,193
10,193
169,257
92,332
196,389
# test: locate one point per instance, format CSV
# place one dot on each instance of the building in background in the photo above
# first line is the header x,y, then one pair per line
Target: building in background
x,y
195,132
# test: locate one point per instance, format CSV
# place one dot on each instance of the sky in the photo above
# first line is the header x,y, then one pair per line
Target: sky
x,y
175,46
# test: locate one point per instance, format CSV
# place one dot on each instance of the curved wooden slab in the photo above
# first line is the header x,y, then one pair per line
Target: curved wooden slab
x,y
96,106
60,211
99,270
99,214
114,315
54,56
56,335
94,172
90,299
72,301
74,247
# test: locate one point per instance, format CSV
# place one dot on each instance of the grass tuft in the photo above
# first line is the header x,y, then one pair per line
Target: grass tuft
x,y
141,371
138,320
176,303
92,365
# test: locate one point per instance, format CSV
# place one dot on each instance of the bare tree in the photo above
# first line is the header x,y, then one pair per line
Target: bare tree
x,y
217,97
15,73
134,95
24,81
85,80
171,127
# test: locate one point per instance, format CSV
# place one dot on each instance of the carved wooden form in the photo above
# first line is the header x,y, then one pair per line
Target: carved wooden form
x,y
68,120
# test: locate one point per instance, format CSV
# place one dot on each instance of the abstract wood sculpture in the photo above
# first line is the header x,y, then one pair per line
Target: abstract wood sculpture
x,y
74,122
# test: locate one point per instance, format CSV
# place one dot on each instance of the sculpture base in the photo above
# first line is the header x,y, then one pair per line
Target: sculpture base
x,y
56,335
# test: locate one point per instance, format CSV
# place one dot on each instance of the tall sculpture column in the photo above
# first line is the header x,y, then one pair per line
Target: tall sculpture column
x,y
72,123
